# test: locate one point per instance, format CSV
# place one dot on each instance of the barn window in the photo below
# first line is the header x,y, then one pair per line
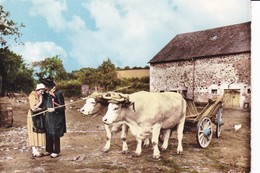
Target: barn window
x,y
214,91
174,91
248,91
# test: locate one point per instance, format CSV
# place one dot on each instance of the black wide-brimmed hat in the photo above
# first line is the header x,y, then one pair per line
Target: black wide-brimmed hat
x,y
48,82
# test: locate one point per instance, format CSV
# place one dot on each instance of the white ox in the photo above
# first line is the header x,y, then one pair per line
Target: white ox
x,y
147,113
98,106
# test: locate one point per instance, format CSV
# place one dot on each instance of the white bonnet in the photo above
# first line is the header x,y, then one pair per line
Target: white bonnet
x,y
40,86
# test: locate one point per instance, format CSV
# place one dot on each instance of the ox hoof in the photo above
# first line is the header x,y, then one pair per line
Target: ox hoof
x,y
136,155
125,152
105,150
163,149
179,152
157,157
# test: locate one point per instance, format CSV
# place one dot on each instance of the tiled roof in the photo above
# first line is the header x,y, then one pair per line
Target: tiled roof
x,y
225,40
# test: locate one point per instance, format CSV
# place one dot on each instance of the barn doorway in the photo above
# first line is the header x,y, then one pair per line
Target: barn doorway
x,y
231,98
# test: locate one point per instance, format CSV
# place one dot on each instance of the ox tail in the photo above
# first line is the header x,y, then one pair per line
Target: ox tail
x,y
180,127
184,108
183,115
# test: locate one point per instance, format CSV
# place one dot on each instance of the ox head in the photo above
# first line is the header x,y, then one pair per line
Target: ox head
x,y
94,106
89,106
116,112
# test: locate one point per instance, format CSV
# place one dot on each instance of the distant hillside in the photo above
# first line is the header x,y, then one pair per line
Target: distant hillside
x,y
132,73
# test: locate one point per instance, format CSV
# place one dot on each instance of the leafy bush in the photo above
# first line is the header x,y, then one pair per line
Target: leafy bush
x,y
70,88
132,85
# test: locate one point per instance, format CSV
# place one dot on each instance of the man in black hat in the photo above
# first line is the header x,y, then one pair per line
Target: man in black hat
x,y
55,121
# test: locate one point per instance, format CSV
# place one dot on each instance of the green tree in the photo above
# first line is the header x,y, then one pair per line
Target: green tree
x,y
107,76
12,70
8,28
24,81
127,68
12,67
86,76
9,63
89,76
50,67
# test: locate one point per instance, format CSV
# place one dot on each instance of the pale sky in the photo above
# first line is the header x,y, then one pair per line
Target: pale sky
x,y
84,33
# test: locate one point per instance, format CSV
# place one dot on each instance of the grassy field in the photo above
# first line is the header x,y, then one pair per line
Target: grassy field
x,y
133,73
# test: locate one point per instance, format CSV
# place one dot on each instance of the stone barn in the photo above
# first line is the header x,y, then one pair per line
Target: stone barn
x,y
206,64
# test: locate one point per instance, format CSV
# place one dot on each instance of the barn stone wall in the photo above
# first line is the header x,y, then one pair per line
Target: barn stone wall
x,y
205,78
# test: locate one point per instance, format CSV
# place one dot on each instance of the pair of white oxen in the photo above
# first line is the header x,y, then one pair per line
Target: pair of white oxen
x,y
147,114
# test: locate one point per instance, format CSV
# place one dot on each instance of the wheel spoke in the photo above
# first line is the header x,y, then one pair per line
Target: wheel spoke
x,y
201,136
208,138
208,124
203,140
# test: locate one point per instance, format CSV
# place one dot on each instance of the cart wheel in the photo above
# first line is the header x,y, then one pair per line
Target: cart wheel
x,y
204,132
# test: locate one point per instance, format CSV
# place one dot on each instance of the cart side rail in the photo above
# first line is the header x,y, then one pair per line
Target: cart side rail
x,y
191,111
209,110
191,108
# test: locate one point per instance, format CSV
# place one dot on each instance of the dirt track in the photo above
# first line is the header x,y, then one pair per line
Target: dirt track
x,y
81,148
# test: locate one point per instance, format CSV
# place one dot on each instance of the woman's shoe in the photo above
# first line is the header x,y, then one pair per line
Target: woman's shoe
x,y
54,155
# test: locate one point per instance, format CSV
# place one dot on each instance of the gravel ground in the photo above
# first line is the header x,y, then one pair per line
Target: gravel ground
x,y
82,144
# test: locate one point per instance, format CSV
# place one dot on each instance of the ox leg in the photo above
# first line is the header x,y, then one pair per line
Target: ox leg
x,y
138,150
166,137
123,138
107,145
180,135
155,140
146,142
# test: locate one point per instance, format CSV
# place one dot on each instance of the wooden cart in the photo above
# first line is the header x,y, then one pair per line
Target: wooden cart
x,y
210,114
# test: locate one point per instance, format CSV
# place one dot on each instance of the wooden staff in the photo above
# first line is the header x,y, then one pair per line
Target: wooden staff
x,y
57,107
